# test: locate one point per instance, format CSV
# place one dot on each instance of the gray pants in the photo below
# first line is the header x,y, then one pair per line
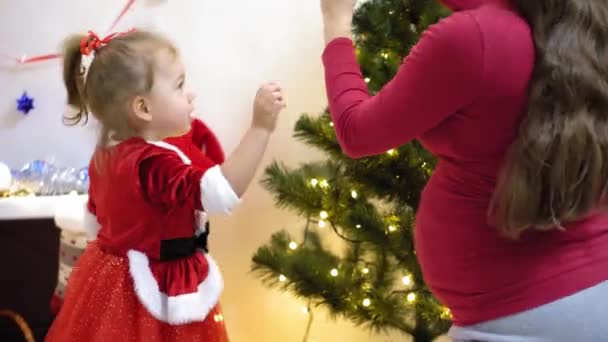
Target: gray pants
x,y
582,317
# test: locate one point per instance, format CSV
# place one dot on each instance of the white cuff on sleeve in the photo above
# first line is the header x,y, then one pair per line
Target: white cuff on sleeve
x,y
217,195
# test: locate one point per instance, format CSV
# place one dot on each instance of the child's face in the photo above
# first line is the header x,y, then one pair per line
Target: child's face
x,y
171,101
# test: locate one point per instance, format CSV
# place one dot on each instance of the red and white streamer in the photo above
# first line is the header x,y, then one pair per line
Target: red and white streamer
x,y
50,56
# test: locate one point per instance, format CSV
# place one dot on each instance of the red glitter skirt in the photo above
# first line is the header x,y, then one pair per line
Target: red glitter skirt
x,y
101,305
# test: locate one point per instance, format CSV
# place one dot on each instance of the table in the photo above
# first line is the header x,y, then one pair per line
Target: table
x,y
29,248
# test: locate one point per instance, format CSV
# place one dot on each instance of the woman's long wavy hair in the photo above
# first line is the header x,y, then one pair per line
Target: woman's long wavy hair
x,y
557,169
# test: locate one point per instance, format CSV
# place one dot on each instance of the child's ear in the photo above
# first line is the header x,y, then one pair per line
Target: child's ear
x,y
140,107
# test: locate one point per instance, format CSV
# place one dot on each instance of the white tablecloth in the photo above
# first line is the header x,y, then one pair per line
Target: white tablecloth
x,y
36,207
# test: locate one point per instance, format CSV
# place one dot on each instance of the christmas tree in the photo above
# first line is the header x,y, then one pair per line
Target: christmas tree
x,y
369,203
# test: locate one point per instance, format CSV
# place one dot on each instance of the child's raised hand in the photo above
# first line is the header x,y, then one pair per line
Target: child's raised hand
x,y
268,104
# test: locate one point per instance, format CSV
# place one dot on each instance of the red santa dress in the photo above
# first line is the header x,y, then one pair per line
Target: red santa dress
x,y
147,276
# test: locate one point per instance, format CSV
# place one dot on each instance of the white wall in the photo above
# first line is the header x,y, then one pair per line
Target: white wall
x,y
229,47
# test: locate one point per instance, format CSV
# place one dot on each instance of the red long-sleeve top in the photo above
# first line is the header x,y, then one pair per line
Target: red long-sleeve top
x,y
462,93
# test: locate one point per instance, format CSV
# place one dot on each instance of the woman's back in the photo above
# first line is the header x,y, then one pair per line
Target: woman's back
x,y
478,273
503,60
516,110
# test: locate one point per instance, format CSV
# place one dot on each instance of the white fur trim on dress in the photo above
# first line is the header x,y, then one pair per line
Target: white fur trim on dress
x,y
180,309
217,195
173,148
73,215
201,220
91,225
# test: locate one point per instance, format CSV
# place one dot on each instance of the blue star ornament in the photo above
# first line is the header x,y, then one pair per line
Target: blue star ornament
x,y
25,104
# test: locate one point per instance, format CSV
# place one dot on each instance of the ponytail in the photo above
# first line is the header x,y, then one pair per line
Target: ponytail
x,y
73,79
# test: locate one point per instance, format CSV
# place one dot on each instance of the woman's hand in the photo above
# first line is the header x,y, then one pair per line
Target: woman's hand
x,y
337,18
337,8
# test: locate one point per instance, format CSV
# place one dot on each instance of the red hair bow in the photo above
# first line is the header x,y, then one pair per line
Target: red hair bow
x,y
92,42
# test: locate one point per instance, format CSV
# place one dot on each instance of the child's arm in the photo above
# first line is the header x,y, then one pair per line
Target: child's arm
x,y
241,166
167,180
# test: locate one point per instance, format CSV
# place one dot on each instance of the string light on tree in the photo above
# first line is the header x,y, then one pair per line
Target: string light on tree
x,y
411,297
331,124
314,182
367,80
293,245
358,226
334,272
282,278
324,183
305,310
322,224
365,270
323,215
354,194
392,228
392,152
407,280
446,313
367,302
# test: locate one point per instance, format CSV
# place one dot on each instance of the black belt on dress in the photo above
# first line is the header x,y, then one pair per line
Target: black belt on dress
x,y
183,247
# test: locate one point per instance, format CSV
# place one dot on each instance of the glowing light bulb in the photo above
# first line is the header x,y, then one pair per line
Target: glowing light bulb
x,y
411,297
